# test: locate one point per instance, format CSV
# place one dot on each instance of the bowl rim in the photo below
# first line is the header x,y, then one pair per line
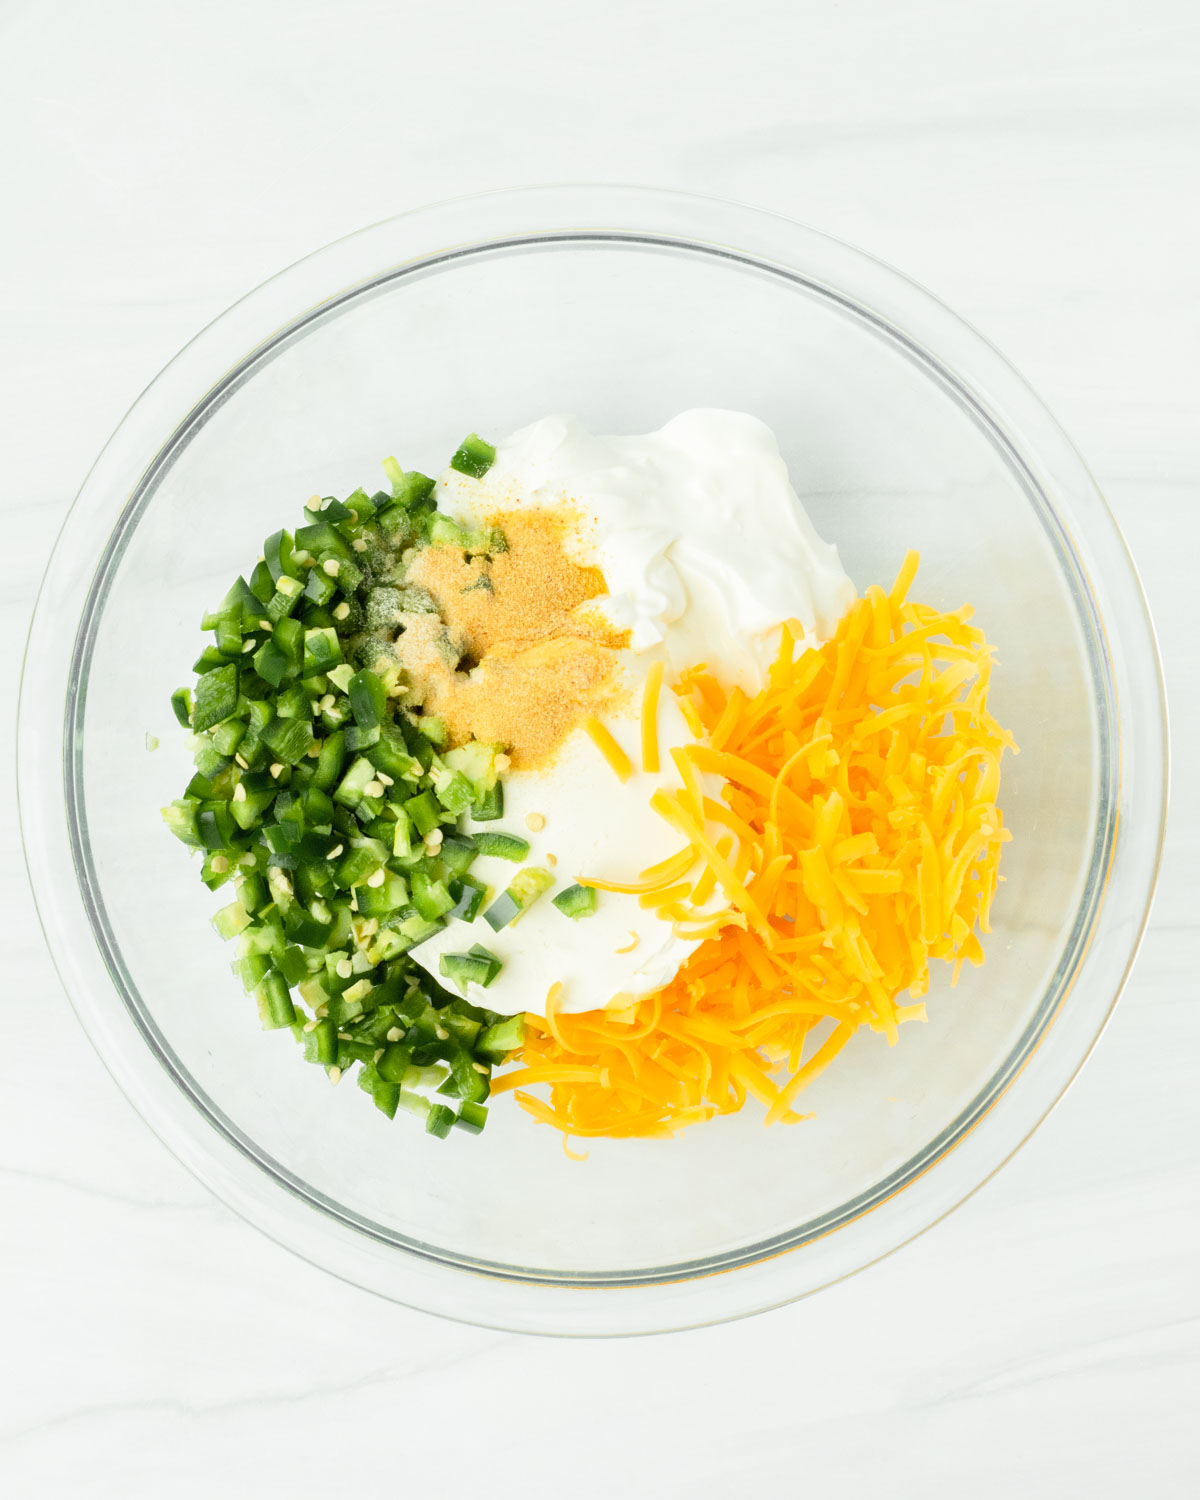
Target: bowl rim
x,y
209,368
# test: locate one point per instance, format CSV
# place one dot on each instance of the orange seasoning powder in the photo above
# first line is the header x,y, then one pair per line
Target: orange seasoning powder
x,y
535,656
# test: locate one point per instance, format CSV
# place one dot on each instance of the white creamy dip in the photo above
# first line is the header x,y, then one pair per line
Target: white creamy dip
x,y
706,551
704,544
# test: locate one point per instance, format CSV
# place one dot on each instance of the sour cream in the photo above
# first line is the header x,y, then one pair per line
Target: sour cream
x,y
703,542
706,551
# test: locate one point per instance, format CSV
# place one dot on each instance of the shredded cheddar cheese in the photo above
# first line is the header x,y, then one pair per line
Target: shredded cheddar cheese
x,y
656,878
654,678
621,765
858,837
691,715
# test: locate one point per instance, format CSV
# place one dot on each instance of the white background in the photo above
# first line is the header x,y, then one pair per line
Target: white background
x,y
1035,162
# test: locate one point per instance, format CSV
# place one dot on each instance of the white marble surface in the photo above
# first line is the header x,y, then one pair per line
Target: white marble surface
x,y
1034,161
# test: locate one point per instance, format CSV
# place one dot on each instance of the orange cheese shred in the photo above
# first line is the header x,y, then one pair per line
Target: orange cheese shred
x,y
861,841
620,763
650,694
665,898
692,717
656,878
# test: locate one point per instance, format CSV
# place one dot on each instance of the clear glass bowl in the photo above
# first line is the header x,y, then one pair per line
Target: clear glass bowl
x,y
902,428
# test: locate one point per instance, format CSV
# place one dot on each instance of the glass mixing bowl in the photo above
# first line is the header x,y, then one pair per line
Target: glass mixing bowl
x,y
901,428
